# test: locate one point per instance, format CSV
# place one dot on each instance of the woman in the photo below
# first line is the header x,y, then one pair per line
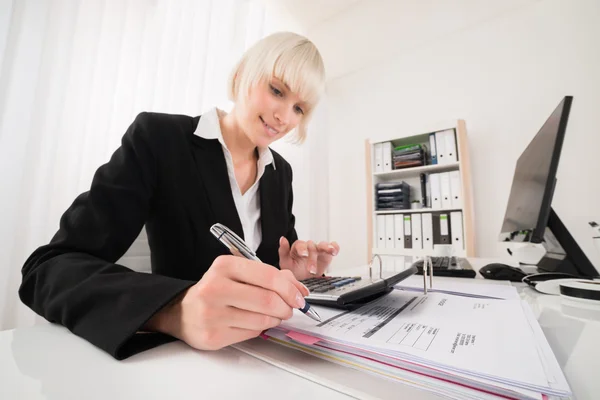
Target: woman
x,y
178,175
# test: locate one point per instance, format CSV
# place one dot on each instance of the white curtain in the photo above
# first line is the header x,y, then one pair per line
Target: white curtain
x,y
73,75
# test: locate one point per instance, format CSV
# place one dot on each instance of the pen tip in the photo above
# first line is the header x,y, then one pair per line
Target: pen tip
x,y
315,314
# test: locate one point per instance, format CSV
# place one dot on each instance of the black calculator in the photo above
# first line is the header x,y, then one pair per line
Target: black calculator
x,y
351,292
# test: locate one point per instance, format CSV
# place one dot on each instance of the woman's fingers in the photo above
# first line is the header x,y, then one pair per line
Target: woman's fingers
x,y
299,250
244,319
303,289
335,248
284,248
277,302
313,255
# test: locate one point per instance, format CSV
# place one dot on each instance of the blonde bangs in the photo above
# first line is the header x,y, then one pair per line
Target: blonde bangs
x,y
301,69
289,57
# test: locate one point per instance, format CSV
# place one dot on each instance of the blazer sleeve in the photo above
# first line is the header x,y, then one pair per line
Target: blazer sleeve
x,y
74,281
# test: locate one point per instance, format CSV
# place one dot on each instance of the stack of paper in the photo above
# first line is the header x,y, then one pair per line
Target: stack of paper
x,y
459,347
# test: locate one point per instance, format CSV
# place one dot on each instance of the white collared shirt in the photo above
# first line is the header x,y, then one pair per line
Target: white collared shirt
x,y
248,204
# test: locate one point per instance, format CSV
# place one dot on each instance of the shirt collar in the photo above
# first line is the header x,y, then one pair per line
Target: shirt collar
x,y
209,128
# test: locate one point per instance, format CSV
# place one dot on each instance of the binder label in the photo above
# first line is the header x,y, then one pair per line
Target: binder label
x,y
444,224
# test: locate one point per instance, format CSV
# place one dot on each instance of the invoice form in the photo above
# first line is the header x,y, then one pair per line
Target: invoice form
x,y
484,337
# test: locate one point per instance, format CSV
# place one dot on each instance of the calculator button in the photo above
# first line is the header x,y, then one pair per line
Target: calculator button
x,y
343,282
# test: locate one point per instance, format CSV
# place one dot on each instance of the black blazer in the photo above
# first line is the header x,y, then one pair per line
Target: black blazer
x,y
176,184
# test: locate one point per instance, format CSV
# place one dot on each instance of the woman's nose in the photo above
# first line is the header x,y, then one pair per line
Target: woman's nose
x,y
282,116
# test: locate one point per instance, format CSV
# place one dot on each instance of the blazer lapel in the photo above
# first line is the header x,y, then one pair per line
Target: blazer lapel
x,y
270,203
212,167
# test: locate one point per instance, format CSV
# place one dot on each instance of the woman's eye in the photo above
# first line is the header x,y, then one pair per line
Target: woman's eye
x,y
299,110
275,91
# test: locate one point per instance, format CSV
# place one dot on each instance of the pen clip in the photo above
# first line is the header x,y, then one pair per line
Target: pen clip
x,y
233,242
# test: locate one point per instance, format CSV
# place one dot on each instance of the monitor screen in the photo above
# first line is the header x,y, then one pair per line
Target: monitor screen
x,y
534,179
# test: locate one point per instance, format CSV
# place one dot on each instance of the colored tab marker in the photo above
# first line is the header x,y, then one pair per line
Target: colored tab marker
x,y
302,338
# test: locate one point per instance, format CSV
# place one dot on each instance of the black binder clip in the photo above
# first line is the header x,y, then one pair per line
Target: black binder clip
x,y
427,264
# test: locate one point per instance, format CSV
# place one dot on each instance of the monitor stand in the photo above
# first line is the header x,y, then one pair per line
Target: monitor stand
x,y
560,252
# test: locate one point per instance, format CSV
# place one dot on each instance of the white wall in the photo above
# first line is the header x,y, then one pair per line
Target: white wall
x,y
503,67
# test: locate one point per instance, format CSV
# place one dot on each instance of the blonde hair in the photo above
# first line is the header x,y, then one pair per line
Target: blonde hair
x,y
290,57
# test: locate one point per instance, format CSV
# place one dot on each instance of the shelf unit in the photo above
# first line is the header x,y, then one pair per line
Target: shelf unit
x,y
427,169
418,210
411,176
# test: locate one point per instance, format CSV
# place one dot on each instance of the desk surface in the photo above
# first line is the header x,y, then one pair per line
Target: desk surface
x,y
48,362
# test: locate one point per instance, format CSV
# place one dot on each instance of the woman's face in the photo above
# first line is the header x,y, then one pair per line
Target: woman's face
x,y
270,112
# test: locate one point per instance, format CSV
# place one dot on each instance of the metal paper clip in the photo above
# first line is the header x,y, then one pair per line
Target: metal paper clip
x,y
371,266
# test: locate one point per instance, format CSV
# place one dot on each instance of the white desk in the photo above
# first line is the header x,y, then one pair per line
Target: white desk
x,y
48,362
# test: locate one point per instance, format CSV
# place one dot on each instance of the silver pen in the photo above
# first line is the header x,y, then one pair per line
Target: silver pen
x,y
237,247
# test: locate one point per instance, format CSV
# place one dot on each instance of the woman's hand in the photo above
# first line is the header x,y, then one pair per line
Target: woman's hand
x,y
306,259
234,301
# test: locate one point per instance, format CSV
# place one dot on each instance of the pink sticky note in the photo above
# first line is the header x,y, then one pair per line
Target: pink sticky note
x,y
302,338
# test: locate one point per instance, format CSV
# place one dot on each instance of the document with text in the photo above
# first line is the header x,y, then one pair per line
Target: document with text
x,y
487,338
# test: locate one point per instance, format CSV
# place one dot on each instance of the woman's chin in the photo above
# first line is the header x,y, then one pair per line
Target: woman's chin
x,y
263,140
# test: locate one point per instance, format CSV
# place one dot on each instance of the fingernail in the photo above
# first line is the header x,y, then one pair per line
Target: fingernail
x,y
304,253
280,240
334,252
300,300
312,269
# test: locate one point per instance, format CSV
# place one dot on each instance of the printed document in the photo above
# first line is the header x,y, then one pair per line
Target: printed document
x,y
483,337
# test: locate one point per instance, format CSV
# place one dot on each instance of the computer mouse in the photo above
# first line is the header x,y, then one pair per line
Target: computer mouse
x,y
498,271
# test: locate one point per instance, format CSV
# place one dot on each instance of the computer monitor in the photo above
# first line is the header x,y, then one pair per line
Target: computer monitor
x,y
529,214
